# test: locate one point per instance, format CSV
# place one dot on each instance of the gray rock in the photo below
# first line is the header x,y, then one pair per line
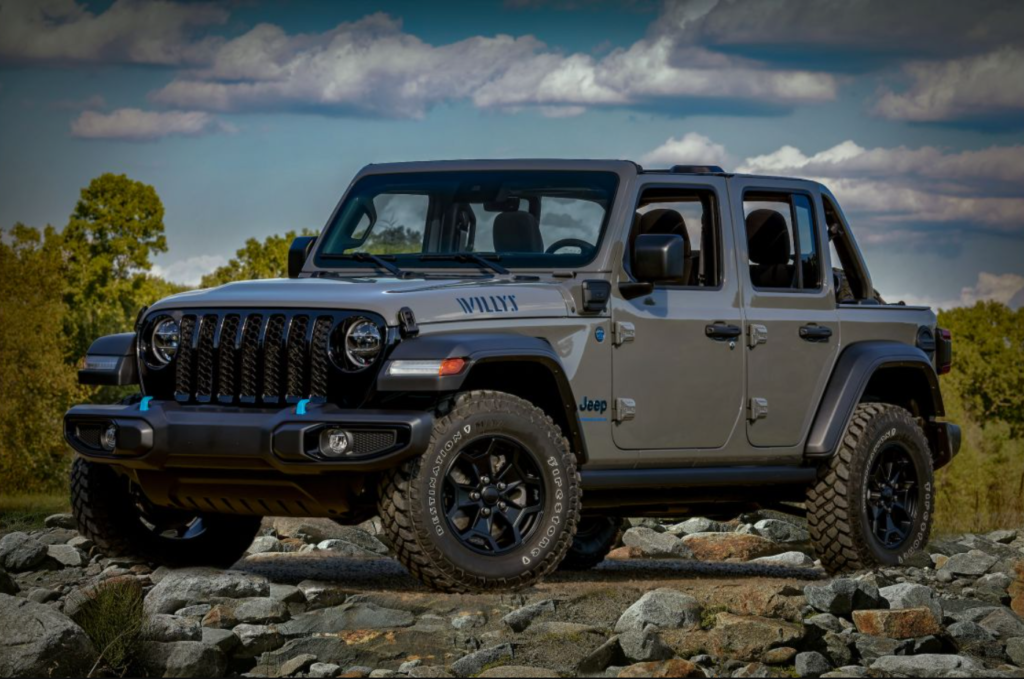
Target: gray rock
x,y
1004,623
468,621
351,616
699,524
644,645
1003,537
910,595
926,665
974,562
81,543
1015,651
786,560
315,531
520,619
966,633
7,583
223,639
666,608
65,555
20,552
43,595
66,521
37,641
781,531
55,536
847,672
290,594
257,639
322,594
261,611
653,544
474,663
843,596
345,548
811,664
826,622
324,670
927,645
753,670
607,654
196,611
993,587
265,544
872,648
163,627
182,659
296,664
189,586
409,666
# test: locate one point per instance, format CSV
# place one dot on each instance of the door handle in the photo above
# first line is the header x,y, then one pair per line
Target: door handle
x,y
815,333
722,331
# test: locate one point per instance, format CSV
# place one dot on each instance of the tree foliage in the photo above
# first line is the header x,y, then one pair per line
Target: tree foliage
x,y
256,259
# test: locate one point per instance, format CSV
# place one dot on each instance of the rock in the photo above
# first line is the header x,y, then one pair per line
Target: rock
x,y
7,584
324,670
474,663
196,611
644,645
910,595
351,616
81,543
182,659
871,648
66,521
1003,537
655,545
20,552
289,594
43,595
726,546
322,594
37,641
974,562
781,531
748,638
779,656
926,665
906,623
786,560
520,619
811,664
1015,651
843,596
315,531
261,611
257,639
221,616
511,671
607,654
699,525
1004,623
65,555
265,544
469,621
994,587
224,639
753,670
55,536
189,586
666,608
409,666
163,627
297,664
625,554
676,667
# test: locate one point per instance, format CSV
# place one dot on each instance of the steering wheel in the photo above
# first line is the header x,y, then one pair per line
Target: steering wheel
x,y
584,246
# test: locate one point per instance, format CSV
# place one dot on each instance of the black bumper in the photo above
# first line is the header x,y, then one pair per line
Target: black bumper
x,y
162,435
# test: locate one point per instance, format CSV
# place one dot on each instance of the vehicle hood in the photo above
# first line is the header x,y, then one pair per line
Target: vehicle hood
x,y
432,300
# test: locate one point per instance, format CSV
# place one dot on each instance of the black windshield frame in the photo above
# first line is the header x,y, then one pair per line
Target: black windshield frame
x,y
448,187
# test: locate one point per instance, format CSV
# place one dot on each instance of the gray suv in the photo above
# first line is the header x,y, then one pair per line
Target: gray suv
x,y
504,358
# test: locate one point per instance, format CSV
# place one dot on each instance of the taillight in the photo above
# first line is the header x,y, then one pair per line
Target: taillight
x,y
944,351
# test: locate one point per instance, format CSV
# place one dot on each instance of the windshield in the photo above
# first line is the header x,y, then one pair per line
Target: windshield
x,y
522,219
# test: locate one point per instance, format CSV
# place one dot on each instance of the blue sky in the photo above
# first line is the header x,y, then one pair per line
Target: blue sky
x,y
250,118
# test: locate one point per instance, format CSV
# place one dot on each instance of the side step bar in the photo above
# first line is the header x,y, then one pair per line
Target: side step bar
x,y
698,477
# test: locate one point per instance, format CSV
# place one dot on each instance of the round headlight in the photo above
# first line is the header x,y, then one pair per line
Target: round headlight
x,y
362,343
163,343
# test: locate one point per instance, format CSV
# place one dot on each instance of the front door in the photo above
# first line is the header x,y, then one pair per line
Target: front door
x,y
676,383
793,322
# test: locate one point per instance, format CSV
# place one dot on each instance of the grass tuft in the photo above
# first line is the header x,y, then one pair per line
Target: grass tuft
x,y
27,512
113,618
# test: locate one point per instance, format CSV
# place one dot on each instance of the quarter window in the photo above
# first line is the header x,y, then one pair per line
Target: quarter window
x,y
782,241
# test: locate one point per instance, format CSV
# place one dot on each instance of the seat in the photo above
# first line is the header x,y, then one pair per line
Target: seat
x,y
769,249
664,221
517,232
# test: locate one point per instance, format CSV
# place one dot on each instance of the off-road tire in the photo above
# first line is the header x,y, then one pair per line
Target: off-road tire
x,y
107,514
836,513
417,529
595,537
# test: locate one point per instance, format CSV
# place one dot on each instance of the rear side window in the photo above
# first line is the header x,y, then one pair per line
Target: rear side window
x,y
782,241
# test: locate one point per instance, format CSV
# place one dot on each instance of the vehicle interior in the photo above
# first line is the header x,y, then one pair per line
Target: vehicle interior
x,y
690,214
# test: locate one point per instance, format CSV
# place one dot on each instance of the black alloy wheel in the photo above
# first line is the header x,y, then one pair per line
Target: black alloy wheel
x,y
493,495
891,496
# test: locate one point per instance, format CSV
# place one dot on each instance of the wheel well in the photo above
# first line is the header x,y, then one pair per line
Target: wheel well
x,y
534,382
903,386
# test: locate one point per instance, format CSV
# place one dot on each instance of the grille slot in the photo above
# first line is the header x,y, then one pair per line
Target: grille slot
x,y
204,361
297,356
227,359
272,345
318,367
250,355
183,370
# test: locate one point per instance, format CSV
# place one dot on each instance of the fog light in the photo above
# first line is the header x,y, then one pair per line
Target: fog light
x,y
335,442
109,438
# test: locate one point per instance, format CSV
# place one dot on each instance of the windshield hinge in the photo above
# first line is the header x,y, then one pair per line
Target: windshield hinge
x,y
407,323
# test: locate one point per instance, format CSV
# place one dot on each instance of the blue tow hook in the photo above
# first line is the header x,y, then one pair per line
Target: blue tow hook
x,y
144,403
300,407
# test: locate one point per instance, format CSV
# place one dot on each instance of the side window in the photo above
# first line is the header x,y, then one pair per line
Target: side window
x,y
782,241
692,214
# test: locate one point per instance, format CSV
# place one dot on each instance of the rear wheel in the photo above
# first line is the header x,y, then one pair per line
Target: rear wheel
x,y
595,537
873,504
118,518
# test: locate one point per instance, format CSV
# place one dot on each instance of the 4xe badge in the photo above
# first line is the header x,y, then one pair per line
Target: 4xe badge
x,y
591,406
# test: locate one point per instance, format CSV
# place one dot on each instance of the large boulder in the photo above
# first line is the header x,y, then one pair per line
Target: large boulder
x,y
189,586
666,608
911,595
655,545
21,552
182,659
38,641
730,546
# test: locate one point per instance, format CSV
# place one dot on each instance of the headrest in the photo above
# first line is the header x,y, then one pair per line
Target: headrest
x,y
517,232
665,222
767,238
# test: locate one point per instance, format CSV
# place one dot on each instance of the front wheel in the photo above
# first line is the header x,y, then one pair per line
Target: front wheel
x,y
492,504
874,502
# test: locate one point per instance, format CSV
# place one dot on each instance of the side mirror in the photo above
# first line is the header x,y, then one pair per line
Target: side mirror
x,y
298,253
659,257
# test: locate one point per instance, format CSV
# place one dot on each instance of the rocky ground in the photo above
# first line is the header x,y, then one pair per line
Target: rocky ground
x,y
693,599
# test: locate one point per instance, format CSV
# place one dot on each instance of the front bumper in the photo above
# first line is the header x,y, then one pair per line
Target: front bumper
x,y
164,436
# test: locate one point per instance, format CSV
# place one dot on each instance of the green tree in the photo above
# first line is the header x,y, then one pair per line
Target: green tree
x,y
387,239
256,259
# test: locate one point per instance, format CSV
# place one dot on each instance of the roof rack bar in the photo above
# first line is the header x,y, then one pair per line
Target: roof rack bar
x,y
697,169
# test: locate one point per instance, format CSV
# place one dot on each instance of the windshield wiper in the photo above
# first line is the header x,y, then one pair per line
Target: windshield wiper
x,y
473,258
373,259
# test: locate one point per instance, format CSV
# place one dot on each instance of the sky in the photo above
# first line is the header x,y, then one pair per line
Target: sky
x,y
250,118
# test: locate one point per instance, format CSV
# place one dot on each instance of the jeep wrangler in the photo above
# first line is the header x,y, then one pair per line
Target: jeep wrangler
x,y
504,358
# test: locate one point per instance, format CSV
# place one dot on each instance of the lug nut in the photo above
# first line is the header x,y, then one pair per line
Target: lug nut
x,y
474,496
502,506
485,480
501,486
485,511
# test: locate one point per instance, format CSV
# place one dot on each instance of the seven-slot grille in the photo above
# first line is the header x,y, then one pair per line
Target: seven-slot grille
x,y
262,357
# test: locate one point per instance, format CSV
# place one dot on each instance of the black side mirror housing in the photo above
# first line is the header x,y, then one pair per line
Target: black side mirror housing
x,y
659,257
298,253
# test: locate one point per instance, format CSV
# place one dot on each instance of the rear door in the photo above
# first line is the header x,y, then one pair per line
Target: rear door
x,y
792,339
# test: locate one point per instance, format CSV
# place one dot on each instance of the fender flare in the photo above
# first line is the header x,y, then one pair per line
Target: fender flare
x,y
122,371
857,364
478,349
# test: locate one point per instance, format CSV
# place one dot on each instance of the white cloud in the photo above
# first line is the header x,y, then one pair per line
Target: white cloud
x,y
189,271
134,124
969,87
690,149
129,31
1004,288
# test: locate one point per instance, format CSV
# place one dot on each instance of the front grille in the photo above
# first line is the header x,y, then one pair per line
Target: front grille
x,y
254,357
